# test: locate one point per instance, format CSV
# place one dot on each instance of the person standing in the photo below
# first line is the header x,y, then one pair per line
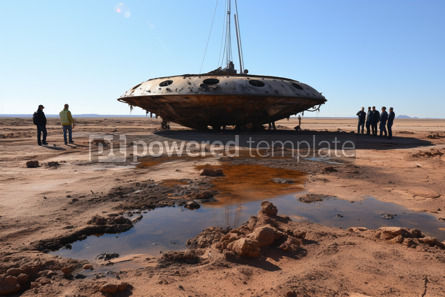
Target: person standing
x,y
375,120
368,121
391,117
361,121
383,119
39,120
67,123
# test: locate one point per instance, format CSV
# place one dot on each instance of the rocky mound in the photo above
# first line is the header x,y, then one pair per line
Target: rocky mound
x,y
20,273
253,238
409,237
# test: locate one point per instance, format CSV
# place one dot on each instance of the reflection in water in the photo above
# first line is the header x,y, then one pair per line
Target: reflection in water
x,y
169,228
252,182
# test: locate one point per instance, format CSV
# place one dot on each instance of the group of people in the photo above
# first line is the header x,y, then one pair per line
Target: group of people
x,y
372,119
66,120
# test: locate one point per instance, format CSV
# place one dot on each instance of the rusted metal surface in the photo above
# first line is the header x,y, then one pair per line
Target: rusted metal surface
x,y
198,101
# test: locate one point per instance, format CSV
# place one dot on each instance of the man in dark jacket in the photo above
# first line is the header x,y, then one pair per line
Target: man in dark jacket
x,y
391,117
368,120
39,120
383,119
375,120
361,121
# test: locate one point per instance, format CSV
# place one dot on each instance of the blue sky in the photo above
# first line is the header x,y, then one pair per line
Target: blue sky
x,y
357,52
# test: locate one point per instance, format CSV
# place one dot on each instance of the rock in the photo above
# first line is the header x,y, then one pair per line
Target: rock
x,y
23,279
291,245
80,276
67,270
109,288
387,233
330,169
357,229
9,285
205,196
251,223
107,256
410,242
279,180
388,216
212,172
123,286
192,205
409,237
415,233
14,271
265,235
431,241
186,257
206,238
397,239
53,164
268,209
136,219
245,247
97,220
88,267
32,164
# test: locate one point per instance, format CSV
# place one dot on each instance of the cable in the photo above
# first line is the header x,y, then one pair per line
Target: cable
x,y
208,38
222,42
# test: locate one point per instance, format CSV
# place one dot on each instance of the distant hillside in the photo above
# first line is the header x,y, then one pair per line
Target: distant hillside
x,y
403,116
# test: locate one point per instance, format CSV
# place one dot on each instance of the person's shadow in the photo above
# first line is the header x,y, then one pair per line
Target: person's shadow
x,y
54,147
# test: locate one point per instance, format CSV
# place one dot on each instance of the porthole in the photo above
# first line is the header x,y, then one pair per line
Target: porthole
x,y
297,86
211,81
256,83
166,83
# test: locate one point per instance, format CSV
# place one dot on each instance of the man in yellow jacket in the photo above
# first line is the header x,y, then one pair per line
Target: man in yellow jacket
x,y
67,123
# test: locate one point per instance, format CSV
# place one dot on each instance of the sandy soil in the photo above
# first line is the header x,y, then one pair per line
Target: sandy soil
x,y
48,207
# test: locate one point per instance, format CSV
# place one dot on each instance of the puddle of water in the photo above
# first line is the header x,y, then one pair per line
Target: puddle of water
x,y
323,160
150,161
169,228
252,182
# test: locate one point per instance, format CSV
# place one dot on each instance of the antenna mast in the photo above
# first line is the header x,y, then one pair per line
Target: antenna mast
x,y
238,39
228,42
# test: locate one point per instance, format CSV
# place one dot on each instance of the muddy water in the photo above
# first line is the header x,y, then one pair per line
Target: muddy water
x,y
240,192
252,182
169,228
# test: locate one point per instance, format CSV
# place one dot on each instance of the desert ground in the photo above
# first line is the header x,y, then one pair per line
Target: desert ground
x,y
82,190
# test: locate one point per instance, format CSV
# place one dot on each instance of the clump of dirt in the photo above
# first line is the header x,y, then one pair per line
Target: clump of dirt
x,y
329,169
53,164
181,257
409,237
151,195
260,234
113,288
19,273
435,135
32,164
212,172
428,154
